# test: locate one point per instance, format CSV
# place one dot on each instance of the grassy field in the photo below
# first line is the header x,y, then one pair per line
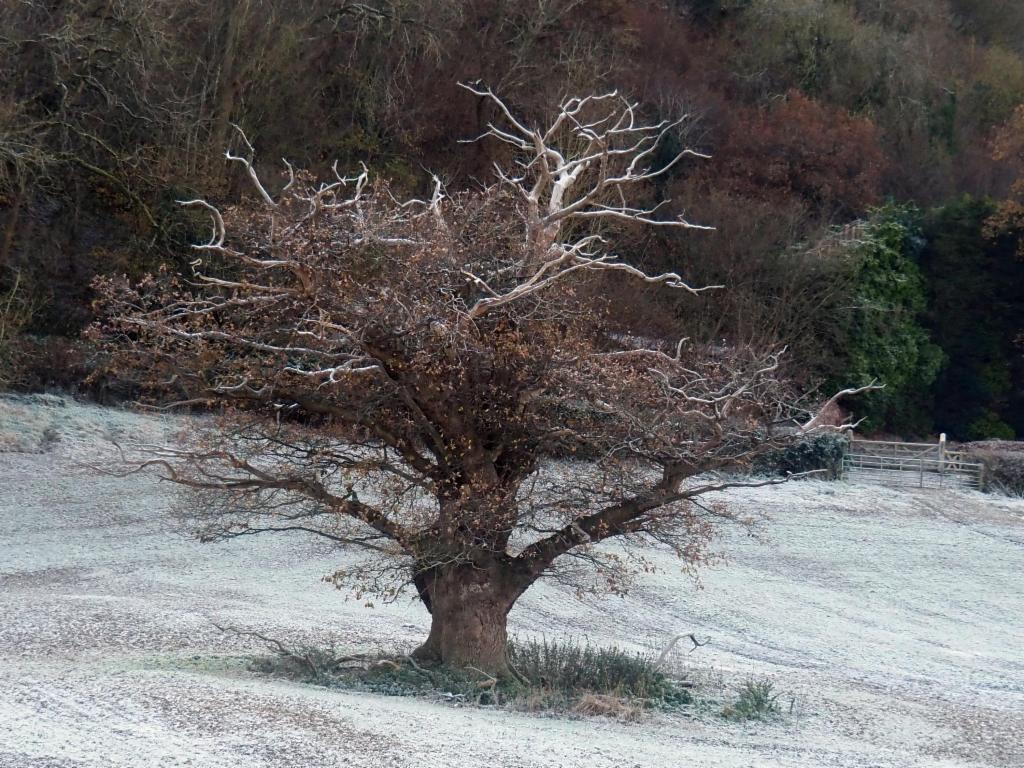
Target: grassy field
x,y
891,623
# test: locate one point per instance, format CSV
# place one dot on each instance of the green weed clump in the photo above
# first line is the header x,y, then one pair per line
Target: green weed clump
x,y
757,700
566,671
549,676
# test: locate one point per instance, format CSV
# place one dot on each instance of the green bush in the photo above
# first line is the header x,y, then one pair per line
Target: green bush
x,y
886,340
757,700
819,452
989,426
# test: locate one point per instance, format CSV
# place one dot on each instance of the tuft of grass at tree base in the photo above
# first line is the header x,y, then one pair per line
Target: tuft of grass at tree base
x,y
557,677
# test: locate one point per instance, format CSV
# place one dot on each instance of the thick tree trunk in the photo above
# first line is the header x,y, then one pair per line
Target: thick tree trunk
x,y
235,12
469,614
11,227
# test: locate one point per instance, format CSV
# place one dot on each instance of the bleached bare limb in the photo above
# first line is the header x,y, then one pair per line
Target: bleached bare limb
x,y
219,233
817,420
672,644
593,150
247,163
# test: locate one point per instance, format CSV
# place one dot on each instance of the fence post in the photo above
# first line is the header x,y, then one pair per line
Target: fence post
x,y
942,460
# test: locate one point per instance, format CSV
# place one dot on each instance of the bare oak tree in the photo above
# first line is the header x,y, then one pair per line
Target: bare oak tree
x,y
397,375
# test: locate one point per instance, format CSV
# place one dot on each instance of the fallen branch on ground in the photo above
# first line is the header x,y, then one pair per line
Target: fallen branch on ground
x,y
672,644
304,657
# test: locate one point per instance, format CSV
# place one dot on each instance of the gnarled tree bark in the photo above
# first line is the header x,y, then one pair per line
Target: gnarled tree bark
x,y
469,608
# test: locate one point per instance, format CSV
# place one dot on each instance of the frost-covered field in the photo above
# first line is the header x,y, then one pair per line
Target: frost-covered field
x,y
893,620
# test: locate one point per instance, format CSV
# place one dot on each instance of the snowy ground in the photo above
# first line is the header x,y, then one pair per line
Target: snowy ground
x,y
893,620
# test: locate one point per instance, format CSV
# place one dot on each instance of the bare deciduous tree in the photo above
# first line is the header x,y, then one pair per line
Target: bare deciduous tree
x,y
397,375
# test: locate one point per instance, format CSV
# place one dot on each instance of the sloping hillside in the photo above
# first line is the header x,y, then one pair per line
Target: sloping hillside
x,y
893,621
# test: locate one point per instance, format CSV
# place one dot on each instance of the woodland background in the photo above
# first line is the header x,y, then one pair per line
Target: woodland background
x,y
866,180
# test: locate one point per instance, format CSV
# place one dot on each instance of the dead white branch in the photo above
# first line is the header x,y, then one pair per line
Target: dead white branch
x,y
579,169
672,644
817,422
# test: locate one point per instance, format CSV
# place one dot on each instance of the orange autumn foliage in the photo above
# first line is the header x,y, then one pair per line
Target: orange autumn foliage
x,y
800,147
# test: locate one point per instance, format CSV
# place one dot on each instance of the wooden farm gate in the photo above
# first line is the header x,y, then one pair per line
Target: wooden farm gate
x,y
919,465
